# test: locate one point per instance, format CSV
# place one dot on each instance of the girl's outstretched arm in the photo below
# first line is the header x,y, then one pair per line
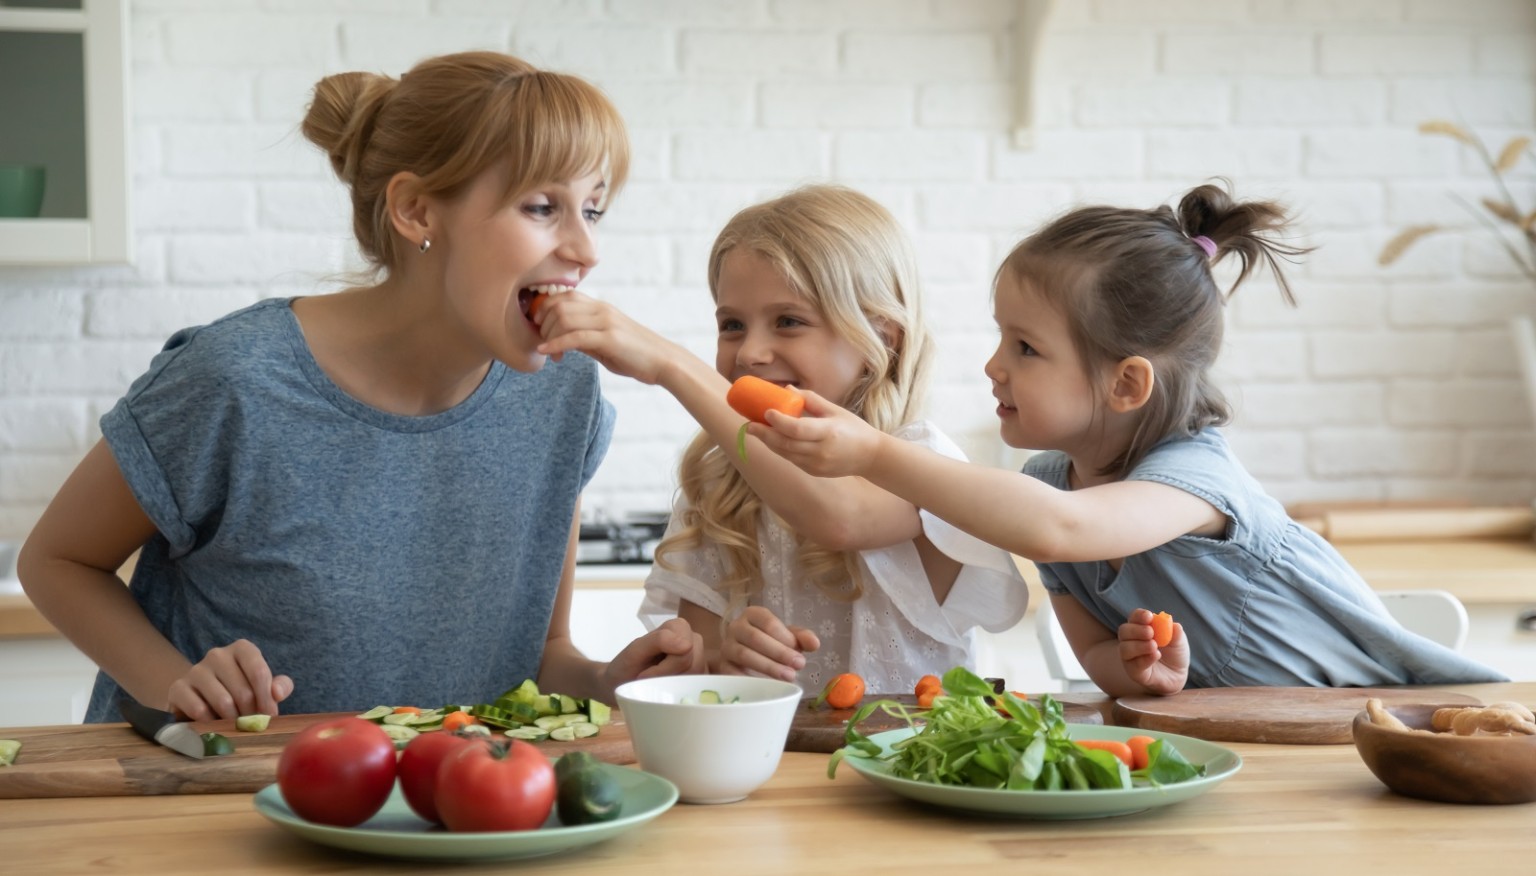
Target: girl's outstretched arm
x,y
68,568
1125,661
1009,509
841,514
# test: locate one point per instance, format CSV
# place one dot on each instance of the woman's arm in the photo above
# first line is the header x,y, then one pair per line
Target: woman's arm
x,y
841,514
68,568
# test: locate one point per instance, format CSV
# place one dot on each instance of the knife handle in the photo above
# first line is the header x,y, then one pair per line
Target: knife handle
x,y
145,720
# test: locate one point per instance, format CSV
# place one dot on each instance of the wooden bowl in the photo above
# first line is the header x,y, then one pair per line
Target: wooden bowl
x,y
1444,766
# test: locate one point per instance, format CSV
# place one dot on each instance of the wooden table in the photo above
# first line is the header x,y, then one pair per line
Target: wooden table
x,y
1291,809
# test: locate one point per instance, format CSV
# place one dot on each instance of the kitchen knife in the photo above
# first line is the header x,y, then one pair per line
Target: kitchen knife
x,y
161,727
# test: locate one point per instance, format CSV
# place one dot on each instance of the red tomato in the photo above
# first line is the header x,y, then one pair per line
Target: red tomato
x,y
419,764
337,772
496,785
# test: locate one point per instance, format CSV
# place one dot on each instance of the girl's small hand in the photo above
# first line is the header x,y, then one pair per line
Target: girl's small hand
x,y
758,643
829,442
229,682
673,648
573,321
1159,670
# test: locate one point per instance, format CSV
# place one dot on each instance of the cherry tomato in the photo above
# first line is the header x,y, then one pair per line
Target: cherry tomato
x,y
419,764
495,785
337,772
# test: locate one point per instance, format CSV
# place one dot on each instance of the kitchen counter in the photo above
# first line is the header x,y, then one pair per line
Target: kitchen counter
x,y
1303,808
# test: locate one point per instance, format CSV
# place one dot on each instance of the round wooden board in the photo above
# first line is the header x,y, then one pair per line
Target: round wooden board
x,y
1288,715
821,730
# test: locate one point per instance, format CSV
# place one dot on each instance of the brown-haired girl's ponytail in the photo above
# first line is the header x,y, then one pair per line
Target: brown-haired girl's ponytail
x,y
341,116
1248,229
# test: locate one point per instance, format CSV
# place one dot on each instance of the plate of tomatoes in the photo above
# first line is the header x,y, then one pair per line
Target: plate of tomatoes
x,y
450,797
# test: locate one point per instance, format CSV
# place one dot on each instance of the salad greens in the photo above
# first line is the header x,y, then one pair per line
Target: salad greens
x,y
967,740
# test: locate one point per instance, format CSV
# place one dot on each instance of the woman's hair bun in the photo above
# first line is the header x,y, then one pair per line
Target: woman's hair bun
x,y
340,117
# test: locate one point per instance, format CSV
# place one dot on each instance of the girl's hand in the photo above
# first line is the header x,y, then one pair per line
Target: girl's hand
x,y
573,321
758,643
229,682
830,442
1160,670
671,649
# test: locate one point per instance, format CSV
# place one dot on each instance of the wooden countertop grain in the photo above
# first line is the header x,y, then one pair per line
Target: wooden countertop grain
x,y
1296,808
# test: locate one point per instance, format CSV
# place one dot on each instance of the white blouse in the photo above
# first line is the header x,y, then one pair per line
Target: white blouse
x,y
896,632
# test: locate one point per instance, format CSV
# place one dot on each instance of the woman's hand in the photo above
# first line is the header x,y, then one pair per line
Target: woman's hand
x,y
1161,671
829,442
758,643
573,321
229,682
671,649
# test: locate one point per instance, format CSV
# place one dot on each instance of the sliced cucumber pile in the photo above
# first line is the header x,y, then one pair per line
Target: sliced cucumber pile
x,y
522,712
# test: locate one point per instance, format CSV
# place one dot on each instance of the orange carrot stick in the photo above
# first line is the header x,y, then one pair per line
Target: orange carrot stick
x,y
1118,749
754,397
1139,755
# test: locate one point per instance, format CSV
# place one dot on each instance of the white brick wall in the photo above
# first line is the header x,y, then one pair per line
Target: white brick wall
x,y
1385,384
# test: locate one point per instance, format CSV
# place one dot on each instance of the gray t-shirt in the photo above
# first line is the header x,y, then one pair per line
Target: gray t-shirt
x,y
1269,603
377,559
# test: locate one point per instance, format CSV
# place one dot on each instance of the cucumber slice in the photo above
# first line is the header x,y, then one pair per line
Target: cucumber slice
x,y
530,734
598,712
400,718
8,751
252,723
563,734
475,730
550,722
568,705
709,697
526,692
400,733
377,713
217,745
583,729
430,716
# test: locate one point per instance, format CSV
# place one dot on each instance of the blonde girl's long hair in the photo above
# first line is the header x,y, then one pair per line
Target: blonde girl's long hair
x,y
452,117
849,258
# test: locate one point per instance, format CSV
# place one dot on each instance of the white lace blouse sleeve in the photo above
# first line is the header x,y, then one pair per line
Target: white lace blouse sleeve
x,y
990,592
695,575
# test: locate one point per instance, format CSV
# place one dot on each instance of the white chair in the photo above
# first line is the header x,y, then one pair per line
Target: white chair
x,y
1060,660
1434,614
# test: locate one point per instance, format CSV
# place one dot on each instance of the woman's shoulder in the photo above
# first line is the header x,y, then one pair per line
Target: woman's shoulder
x,y
241,342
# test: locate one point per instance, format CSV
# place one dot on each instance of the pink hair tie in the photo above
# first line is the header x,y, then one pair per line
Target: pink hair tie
x,y
1206,244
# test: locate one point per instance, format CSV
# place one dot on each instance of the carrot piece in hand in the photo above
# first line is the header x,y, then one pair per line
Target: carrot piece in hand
x,y
1139,757
842,692
1162,629
754,397
1118,749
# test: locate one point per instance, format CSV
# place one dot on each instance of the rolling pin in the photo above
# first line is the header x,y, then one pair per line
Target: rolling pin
x,y
1417,524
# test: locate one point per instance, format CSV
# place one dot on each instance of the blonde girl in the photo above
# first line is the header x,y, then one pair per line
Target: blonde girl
x,y
1110,319
784,574
369,496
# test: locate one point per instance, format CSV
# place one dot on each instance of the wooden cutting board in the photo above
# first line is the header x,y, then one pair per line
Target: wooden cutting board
x,y
820,731
110,760
1290,715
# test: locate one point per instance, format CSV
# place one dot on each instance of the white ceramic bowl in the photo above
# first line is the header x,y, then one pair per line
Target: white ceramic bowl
x,y
713,753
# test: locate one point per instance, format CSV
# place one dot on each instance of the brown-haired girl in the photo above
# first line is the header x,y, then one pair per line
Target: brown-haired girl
x,y
1110,320
369,496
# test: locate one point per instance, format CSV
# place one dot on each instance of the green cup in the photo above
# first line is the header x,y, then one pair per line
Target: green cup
x,y
21,190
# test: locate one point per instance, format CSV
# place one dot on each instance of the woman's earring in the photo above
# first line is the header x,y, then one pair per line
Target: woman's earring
x,y
425,244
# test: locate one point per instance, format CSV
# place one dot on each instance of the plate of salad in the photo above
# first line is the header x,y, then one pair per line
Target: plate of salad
x,y
968,751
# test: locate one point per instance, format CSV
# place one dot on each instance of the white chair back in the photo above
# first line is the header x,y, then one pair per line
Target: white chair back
x,y
1434,614
1060,660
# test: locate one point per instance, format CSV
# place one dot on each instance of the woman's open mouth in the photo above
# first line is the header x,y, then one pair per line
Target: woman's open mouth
x,y
531,298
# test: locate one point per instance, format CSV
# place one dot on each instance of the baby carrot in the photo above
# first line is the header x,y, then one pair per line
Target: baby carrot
x,y
535,303
1139,757
454,720
928,681
842,692
754,397
1118,749
407,710
1162,629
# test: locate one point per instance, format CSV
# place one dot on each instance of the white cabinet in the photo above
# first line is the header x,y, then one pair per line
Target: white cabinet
x,y
43,680
64,105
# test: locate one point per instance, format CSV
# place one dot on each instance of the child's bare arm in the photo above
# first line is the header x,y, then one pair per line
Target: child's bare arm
x,y
1122,662
68,568
1012,510
841,514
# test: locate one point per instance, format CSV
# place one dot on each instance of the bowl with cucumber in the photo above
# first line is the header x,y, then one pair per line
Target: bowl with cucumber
x,y
716,737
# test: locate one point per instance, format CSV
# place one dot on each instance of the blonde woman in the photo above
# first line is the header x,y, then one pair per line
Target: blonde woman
x,y
781,573
370,496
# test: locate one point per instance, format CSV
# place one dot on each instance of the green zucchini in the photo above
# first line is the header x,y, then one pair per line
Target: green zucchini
x,y
586,793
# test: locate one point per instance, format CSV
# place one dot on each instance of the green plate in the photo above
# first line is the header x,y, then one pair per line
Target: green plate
x,y
396,832
1220,763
